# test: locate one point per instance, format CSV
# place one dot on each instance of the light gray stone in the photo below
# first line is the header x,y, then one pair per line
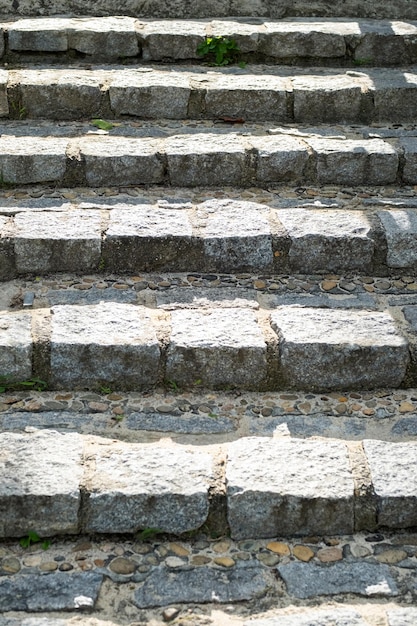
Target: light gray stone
x,y
354,162
189,424
303,38
280,158
202,584
32,159
394,94
205,159
326,349
163,94
308,580
313,617
59,93
329,241
246,96
138,486
401,233
220,347
199,297
394,477
409,146
51,241
402,616
39,35
52,592
4,77
329,98
109,37
236,235
39,490
121,161
280,487
244,32
109,343
15,345
7,256
149,238
171,39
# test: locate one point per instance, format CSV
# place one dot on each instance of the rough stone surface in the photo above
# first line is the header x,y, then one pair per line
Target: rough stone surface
x,y
339,349
7,256
109,37
333,617
57,241
45,35
219,347
409,146
190,424
202,584
171,39
109,343
236,235
401,232
394,95
15,346
281,488
32,159
402,616
39,490
52,592
308,580
171,493
394,477
331,241
280,158
328,99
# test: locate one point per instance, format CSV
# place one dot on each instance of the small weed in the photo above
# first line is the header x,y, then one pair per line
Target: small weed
x,y
361,62
33,383
5,184
213,415
105,390
102,265
198,382
171,384
118,418
148,533
102,124
19,111
33,537
219,50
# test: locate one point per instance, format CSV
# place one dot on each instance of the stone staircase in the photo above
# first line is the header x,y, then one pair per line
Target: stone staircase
x,y
208,314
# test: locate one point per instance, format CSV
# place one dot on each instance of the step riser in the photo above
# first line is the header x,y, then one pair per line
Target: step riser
x,y
375,96
320,42
127,346
267,487
216,236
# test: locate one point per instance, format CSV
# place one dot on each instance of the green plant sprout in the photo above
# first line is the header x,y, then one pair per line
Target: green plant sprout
x,y
32,538
36,384
220,50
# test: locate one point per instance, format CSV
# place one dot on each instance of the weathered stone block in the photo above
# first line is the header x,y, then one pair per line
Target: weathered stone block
x,y
171,39
7,257
326,349
394,95
113,36
328,241
394,477
402,616
32,159
303,38
236,235
15,345
218,346
401,234
280,158
41,474
48,241
383,47
148,486
39,35
335,617
150,94
355,162
409,146
288,487
244,32
108,343
205,159
148,238
122,161
330,98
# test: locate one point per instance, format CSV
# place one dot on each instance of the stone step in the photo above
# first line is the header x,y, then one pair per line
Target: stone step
x,y
391,9
252,94
255,487
125,234
201,155
307,41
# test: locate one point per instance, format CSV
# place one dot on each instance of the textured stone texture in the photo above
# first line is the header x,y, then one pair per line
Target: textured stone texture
x,y
189,424
171,39
15,346
315,38
394,94
339,349
104,37
53,592
205,159
64,241
280,158
313,617
150,94
236,235
219,347
409,146
401,233
149,238
402,617
394,477
39,489
7,256
354,162
329,241
202,584
32,159
332,98
109,343
308,580
45,35
288,487
148,486
121,161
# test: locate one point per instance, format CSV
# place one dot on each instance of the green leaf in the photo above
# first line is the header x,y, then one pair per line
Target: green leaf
x,y
34,537
147,533
102,124
46,544
25,542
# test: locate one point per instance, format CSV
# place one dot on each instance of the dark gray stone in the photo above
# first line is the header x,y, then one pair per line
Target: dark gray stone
x,y
202,584
308,580
190,425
